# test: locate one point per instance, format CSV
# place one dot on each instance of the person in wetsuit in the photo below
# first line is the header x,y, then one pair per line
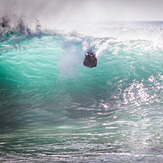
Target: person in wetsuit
x,y
90,60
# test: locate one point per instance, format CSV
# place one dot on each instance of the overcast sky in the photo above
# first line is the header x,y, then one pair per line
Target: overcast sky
x,y
84,10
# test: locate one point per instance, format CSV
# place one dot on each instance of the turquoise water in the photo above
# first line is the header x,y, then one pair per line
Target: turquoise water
x,y
53,109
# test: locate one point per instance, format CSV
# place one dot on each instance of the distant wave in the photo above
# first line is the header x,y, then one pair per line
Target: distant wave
x,y
121,30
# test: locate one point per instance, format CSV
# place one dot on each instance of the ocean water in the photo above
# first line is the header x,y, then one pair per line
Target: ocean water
x,y
54,109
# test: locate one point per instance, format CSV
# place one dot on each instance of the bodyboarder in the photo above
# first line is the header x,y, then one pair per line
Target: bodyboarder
x,y
90,60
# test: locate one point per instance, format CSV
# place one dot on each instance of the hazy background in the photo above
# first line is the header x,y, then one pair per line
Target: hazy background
x,y
61,11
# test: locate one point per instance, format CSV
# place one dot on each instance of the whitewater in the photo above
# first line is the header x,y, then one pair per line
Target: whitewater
x,y
54,109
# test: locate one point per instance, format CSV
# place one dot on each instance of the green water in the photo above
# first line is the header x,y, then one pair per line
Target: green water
x,y
52,108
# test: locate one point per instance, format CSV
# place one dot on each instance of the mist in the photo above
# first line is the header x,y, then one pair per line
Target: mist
x,y
62,11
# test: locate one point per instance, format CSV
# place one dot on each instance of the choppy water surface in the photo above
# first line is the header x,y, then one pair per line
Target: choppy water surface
x,y
52,108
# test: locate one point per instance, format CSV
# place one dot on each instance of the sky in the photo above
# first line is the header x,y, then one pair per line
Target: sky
x,y
63,11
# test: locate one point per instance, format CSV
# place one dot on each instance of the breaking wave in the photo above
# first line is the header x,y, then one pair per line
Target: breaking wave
x,y
76,111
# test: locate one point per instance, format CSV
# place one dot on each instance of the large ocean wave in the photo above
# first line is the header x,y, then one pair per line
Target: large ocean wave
x,y
53,107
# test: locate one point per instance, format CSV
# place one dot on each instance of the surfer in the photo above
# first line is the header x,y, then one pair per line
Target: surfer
x,y
90,60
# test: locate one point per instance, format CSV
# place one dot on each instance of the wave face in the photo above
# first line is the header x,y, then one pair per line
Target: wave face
x,y
53,108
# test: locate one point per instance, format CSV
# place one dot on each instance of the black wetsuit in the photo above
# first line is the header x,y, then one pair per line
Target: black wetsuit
x,y
90,60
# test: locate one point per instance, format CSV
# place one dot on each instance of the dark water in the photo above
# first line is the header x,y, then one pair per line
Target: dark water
x,y
54,109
